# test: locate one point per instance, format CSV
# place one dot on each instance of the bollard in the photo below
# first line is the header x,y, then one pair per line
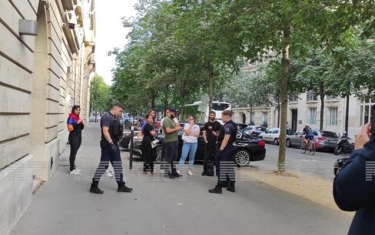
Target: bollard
x,y
131,147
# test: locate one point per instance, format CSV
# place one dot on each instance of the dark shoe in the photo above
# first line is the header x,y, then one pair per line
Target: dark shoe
x,y
231,187
216,190
94,189
175,174
171,176
122,188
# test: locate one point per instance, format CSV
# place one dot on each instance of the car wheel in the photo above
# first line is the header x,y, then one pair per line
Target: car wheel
x,y
288,143
242,157
159,153
276,141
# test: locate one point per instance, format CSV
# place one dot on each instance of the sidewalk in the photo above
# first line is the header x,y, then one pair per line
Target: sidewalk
x,y
159,205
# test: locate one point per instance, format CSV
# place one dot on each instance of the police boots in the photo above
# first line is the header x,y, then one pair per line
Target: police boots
x,y
216,190
123,188
231,187
94,189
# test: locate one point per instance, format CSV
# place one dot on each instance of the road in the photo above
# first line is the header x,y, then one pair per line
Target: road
x,y
159,205
320,164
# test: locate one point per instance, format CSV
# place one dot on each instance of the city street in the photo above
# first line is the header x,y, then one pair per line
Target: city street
x,y
159,205
320,164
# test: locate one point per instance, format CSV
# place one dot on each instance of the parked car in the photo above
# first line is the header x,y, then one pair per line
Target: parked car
x,y
248,148
92,118
324,140
339,164
273,135
125,141
254,130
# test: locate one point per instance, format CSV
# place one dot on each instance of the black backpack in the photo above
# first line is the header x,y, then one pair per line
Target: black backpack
x,y
210,169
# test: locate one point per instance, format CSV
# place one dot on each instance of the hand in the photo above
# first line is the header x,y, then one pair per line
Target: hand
x,y
215,133
114,147
179,128
363,136
79,121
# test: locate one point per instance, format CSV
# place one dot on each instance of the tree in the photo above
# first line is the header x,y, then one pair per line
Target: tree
x,y
100,94
278,26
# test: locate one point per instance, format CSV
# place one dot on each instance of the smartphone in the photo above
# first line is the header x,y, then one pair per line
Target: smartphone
x,y
372,118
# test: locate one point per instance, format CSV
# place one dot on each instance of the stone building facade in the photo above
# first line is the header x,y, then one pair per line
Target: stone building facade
x,y
41,77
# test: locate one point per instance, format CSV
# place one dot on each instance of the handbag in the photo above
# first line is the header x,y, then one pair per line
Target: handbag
x,y
154,143
184,137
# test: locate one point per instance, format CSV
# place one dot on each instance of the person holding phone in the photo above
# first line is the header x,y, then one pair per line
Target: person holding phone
x,y
354,185
191,131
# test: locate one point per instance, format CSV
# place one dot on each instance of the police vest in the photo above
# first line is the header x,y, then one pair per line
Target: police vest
x,y
115,128
233,134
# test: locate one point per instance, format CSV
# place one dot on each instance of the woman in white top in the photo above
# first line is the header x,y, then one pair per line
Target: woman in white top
x,y
191,131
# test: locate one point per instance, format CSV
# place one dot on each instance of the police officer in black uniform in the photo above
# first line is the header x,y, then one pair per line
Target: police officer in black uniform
x,y
225,163
112,132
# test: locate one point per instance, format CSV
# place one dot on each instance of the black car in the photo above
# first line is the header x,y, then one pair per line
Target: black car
x,y
248,148
339,164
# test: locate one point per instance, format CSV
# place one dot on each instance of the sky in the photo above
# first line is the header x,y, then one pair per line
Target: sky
x,y
110,33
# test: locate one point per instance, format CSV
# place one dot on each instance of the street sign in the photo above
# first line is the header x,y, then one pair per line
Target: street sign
x,y
205,99
202,107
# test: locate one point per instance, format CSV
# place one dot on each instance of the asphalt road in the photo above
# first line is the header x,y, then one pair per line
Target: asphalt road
x,y
159,205
320,164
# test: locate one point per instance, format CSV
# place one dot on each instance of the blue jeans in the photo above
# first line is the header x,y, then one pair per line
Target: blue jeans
x,y
188,148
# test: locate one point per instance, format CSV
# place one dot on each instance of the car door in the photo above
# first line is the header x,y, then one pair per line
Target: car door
x,y
267,135
296,138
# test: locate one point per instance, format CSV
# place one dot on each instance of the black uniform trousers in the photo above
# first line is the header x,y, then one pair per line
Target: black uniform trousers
x,y
108,155
225,165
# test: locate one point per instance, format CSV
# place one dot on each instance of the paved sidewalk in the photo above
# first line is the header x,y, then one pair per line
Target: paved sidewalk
x,y
159,205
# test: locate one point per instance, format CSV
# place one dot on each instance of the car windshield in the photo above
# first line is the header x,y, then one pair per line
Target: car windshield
x,y
329,134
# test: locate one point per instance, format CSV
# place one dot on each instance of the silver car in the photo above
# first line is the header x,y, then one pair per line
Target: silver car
x,y
324,140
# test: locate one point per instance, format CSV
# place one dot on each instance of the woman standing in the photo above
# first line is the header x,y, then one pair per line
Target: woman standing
x,y
191,132
75,127
149,135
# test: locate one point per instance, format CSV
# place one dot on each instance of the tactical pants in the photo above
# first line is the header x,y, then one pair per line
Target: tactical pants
x,y
225,165
108,155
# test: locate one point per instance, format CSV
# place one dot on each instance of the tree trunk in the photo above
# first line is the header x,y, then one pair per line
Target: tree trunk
x,y
322,95
210,87
284,102
166,101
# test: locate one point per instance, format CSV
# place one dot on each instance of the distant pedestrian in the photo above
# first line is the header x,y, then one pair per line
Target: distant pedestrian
x,y
191,133
111,130
75,127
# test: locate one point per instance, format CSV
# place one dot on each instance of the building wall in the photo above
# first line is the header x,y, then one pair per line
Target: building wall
x,y
302,105
37,78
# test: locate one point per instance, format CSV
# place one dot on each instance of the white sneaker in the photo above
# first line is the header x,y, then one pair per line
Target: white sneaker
x,y
75,172
178,172
189,172
109,174
78,170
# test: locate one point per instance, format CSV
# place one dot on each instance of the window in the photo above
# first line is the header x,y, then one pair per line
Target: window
x,y
293,98
332,97
332,116
311,96
265,117
311,115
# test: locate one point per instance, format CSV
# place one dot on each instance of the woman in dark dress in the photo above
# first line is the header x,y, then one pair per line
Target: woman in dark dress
x,y
149,135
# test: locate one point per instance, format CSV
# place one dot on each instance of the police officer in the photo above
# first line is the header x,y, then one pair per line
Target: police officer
x,y
111,133
225,163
